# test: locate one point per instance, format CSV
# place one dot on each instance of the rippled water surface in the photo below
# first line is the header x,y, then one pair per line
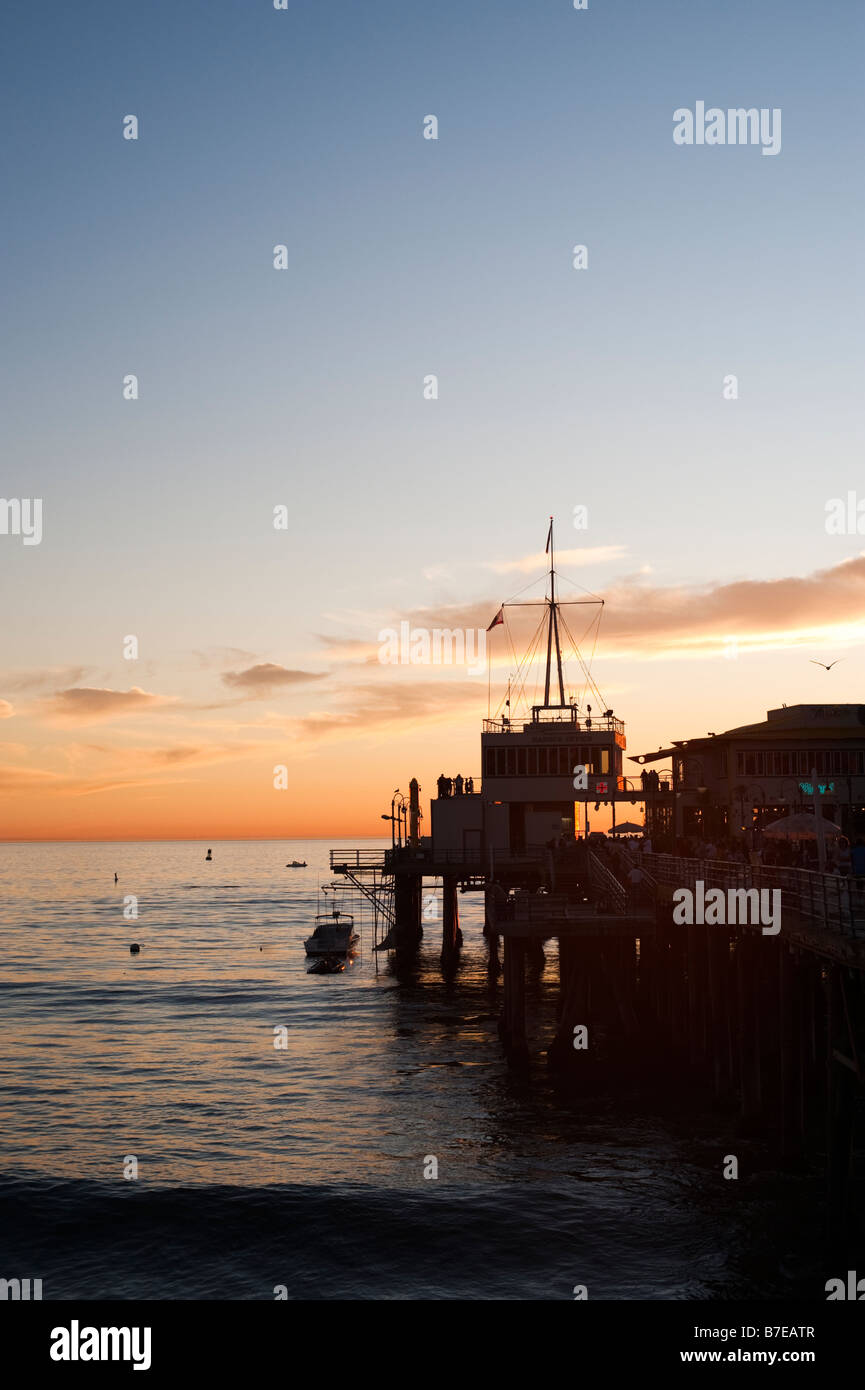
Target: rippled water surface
x,y
303,1165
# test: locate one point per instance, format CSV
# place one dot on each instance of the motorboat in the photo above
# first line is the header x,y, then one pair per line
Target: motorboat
x,y
334,936
296,864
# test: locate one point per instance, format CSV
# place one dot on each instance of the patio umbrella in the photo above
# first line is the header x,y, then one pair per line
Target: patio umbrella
x,y
627,827
803,826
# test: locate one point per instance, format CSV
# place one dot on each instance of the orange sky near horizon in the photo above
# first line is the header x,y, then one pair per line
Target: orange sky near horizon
x,y
192,752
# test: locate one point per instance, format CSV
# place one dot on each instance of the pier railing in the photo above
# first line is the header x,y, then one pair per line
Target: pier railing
x,y
483,861
592,724
827,902
359,858
603,879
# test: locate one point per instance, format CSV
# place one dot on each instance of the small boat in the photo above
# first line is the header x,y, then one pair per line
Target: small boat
x,y
334,936
327,965
296,864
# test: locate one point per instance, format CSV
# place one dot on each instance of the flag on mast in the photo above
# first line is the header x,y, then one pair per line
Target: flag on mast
x,y
499,618
549,538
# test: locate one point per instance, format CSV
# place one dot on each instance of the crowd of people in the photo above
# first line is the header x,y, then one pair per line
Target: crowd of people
x,y
842,857
455,786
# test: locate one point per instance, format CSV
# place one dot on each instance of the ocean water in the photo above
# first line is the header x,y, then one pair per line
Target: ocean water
x,y
303,1165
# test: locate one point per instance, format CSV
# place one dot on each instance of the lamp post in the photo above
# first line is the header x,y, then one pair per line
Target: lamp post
x,y
398,820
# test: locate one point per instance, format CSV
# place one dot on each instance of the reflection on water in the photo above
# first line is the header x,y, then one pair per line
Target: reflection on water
x,y
306,1162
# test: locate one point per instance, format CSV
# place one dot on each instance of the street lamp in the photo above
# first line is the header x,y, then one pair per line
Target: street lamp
x,y
398,820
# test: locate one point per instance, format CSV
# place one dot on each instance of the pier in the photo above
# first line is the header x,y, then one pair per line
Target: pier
x,y
676,967
771,1024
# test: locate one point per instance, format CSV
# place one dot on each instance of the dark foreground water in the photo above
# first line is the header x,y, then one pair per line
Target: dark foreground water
x,y
302,1165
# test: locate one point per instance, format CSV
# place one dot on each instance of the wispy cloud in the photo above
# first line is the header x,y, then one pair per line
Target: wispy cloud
x,y
6,710
396,703
90,705
46,678
113,769
267,677
642,619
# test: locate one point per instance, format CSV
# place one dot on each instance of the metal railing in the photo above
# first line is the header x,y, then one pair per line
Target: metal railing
x,y
484,861
603,878
520,725
359,858
826,901
482,858
548,908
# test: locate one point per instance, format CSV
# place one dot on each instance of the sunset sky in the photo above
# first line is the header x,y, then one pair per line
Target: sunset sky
x,y
304,387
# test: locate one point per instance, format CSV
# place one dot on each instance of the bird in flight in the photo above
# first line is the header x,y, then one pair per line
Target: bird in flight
x,y
823,664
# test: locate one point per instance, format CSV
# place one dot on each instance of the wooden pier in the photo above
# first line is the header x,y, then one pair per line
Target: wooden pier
x,y
771,1022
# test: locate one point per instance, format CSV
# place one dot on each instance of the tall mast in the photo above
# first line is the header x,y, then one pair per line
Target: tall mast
x,y
553,626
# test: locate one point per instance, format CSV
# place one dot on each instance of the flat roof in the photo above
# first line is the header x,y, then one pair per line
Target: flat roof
x,y
823,721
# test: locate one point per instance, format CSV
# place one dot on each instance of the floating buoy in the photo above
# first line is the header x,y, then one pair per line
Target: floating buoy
x,y
134,948
209,855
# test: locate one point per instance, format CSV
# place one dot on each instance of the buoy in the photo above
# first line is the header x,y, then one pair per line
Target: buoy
x,y
134,948
209,855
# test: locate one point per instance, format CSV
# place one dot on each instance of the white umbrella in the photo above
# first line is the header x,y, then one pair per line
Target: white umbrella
x,y
803,826
627,827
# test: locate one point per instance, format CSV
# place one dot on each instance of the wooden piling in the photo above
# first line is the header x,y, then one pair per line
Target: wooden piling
x,y
451,935
513,1021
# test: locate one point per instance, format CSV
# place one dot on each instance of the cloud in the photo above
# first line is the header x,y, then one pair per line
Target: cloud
x,y
398,702
47,678
780,612
267,677
88,705
641,619
185,754
114,769
6,710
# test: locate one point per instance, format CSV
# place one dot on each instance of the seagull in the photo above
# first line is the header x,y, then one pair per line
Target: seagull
x,y
823,664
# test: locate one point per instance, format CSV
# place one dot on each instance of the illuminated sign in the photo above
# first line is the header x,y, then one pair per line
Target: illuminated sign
x,y
600,787
822,787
